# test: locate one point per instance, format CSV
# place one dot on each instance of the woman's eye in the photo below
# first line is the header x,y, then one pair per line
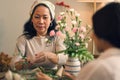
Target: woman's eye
x,y
36,16
45,17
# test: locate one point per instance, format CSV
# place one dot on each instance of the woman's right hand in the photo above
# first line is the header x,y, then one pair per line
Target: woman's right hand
x,y
43,56
42,76
72,77
39,58
23,64
19,65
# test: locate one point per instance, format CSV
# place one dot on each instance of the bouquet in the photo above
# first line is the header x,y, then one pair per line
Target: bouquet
x,y
76,37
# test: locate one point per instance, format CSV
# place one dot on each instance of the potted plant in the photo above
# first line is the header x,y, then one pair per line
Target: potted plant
x,y
76,37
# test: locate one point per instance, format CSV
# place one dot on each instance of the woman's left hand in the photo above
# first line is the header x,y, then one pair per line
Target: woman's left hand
x,y
39,58
52,57
42,76
43,56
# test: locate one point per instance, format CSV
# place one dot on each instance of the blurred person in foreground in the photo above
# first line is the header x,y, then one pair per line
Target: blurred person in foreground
x,y
106,35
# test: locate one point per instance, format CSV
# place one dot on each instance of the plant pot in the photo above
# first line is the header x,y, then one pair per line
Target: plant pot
x,y
73,66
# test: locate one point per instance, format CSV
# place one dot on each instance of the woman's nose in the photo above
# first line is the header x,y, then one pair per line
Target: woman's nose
x,y
41,20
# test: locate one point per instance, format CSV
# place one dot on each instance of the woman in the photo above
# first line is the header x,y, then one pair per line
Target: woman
x,y
35,46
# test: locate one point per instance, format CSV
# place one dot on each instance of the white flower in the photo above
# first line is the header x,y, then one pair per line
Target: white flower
x,y
59,21
77,14
72,10
62,13
73,22
46,39
86,45
9,75
62,24
77,44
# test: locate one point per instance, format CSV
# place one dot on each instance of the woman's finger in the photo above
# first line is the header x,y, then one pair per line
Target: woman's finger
x,y
40,59
69,75
42,76
41,54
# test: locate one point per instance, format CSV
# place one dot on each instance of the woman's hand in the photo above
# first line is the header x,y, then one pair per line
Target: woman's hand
x,y
43,56
72,77
23,64
52,57
39,58
42,76
19,65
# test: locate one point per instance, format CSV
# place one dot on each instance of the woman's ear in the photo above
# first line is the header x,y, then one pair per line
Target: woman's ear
x,y
96,39
31,20
51,20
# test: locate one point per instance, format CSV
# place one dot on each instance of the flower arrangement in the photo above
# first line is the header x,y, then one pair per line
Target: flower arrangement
x,y
76,37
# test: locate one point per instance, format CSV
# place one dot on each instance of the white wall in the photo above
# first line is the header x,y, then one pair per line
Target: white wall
x,y
14,13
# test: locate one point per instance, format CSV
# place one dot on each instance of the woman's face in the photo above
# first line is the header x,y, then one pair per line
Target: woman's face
x,y
41,20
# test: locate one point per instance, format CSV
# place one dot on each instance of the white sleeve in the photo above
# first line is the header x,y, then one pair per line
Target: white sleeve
x,y
19,50
59,47
62,59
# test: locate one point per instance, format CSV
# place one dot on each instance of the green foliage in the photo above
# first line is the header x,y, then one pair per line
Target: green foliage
x,y
49,72
52,74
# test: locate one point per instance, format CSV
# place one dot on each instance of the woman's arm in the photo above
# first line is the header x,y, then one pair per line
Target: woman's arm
x,y
18,53
62,58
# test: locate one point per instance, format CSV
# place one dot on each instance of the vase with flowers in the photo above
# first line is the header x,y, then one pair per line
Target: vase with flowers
x,y
76,39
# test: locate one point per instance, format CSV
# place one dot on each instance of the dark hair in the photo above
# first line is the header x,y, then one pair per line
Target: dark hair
x,y
29,30
106,23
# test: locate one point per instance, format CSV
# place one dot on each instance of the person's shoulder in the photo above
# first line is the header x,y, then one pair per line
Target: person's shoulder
x,y
105,63
96,69
21,38
113,61
98,63
95,65
60,38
